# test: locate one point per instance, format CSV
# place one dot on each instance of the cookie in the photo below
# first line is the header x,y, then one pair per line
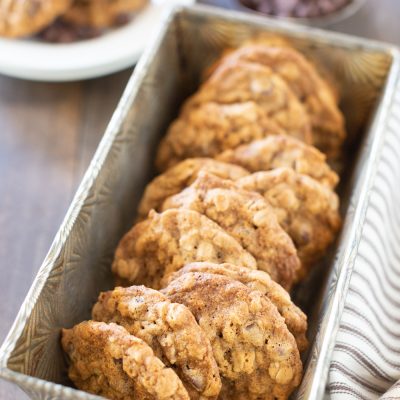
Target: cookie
x,y
239,82
106,360
328,129
295,319
282,151
307,210
181,175
101,13
169,329
266,39
274,40
256,354
211,128
25,18
248,218
164,243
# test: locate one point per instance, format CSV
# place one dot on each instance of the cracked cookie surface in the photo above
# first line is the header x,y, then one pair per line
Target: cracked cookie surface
x,y
257,355
307,210
165,242
211,128
282,151
180,176
303,79
248,218
106,360
295,319
169,329
239,82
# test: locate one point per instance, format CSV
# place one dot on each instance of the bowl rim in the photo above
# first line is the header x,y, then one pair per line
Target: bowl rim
x,y
336,16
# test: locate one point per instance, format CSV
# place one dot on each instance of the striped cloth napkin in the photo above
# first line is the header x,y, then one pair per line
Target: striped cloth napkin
x,y
366,358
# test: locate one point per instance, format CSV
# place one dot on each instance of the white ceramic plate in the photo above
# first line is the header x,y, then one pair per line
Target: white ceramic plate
x,y
111,52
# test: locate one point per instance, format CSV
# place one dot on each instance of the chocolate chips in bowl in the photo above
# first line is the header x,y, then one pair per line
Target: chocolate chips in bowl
x,y
308,12
61,31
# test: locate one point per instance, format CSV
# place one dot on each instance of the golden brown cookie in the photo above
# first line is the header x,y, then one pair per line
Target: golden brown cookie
x,y
282,151
106,360
164,243
256,354
169,329
295,319
248,218
239,82
307,210
303,79
272,40
211,128
262,39
101,13
181,175
24,18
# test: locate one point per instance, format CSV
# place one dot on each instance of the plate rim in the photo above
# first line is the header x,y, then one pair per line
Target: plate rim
x,y
156,12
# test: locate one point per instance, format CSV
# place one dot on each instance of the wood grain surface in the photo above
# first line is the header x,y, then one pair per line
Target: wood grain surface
x,y
48,134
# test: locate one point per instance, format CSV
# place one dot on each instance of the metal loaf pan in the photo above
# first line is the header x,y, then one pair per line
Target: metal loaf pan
x,y
77,266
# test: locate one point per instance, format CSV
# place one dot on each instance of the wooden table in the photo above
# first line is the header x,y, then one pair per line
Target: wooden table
x,y
48,134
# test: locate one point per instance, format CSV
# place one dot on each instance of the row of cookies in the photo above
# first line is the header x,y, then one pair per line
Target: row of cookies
x,y
242,210
287,180
254,330
215,331
26,18
264,87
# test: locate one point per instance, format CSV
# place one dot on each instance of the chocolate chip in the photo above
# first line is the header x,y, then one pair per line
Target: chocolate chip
x,y
121,19
63,32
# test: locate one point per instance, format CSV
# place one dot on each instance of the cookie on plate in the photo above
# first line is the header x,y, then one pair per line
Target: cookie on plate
x,y
212,128
169,329
256,354
101,13
303,79
295,319
282,151
25,18
164,243
106,360
307,210
247,217
238,82
181,175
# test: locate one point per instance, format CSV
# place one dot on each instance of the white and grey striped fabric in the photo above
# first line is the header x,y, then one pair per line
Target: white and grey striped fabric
x,y
366,358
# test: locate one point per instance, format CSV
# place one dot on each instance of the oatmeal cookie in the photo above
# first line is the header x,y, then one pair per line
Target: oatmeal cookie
x,y
169,329
212,128
101,13
282,151
256,354
25,18
248,218
181,175
295,319
106,360
164,243
328,130
307,210
239,82
273,40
